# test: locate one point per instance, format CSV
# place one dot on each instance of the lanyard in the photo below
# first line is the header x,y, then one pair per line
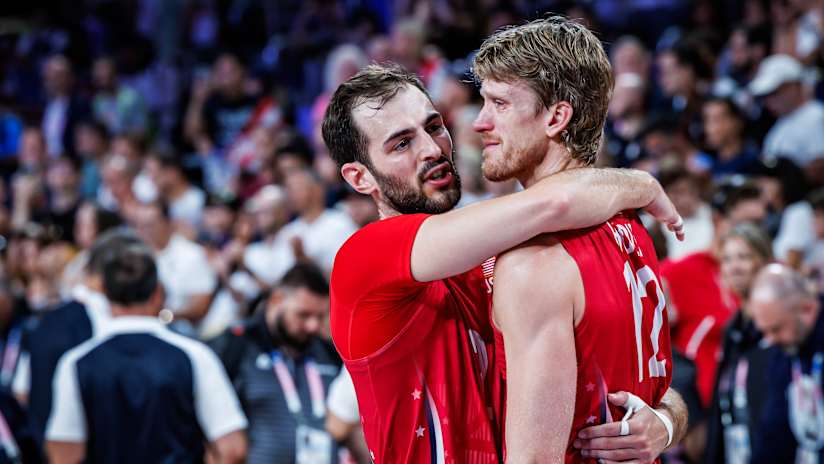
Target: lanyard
x,y
290,391
7,441
10,355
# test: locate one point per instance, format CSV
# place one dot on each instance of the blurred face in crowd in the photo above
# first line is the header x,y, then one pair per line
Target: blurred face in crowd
x,y
32,149
118,177
127,147
785,99
152,227
685,195
630,57
57,76
720,126
739,50
627,97
513,132
228,75
268,212
784,322
85,226
88,142
104,74
218,220
62,176
750,210
739,264
305,192
675,78
410,153
298,314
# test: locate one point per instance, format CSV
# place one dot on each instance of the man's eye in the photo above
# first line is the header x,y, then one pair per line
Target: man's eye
x,y
402,145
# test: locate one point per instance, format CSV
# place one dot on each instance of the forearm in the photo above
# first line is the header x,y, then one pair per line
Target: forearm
x,y
674,407
596,195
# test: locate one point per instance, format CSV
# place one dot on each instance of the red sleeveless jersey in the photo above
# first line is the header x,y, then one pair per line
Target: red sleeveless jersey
x,y
424,391
622,342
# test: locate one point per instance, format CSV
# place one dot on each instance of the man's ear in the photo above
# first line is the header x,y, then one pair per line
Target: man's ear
x,y
558,117
357,176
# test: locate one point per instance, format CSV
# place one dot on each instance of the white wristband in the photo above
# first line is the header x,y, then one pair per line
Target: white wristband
x,y
636,404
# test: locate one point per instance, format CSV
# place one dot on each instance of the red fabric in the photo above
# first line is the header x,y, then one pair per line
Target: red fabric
x,y
605,338
701,308
419,353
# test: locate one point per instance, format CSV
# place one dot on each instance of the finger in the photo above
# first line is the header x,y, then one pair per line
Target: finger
x,y
606,443
611,429
618,398
615,455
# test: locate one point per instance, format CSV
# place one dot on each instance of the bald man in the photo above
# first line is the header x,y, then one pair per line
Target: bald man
x,y
786,311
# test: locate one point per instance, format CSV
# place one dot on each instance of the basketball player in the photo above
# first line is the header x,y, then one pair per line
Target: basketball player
x,y
582,311
409,302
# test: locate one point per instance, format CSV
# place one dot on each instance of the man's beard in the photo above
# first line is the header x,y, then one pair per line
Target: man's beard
x,y
408,200
289,339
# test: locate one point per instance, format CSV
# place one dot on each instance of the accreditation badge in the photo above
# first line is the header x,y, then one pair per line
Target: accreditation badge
x,y
313,446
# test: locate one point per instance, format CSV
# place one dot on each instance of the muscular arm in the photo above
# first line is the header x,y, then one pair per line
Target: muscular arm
x,y
537,321
452,243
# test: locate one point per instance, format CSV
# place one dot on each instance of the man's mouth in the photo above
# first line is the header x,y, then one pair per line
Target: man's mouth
x,y
439,175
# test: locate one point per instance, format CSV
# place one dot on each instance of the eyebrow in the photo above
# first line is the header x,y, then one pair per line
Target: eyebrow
x,y
410,130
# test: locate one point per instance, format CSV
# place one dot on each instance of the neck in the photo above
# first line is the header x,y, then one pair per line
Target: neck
x,y
555,161
178,190
143,309
312,213
163,242
730,149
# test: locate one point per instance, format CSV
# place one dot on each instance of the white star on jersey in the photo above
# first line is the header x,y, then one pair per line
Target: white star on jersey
x,y
419,431
416,394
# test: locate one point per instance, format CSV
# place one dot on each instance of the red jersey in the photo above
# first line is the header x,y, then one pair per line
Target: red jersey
x,y
622,341
423,387
701,307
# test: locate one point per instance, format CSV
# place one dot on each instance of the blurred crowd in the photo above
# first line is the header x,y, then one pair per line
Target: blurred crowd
x,y
196,123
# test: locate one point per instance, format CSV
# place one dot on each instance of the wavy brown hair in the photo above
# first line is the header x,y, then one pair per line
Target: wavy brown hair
x,y
560,60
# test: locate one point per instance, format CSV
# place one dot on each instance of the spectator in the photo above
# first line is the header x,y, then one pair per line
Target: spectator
x,y
797,133
814,255
158,396
740,391
64,108
119,107
627,117
629,56
318,232
700,303
117,192
268,259
91,145
182,266
343,418
11,128
220,108
90,222
281,369
684,188
185,201
63,328
724,126
13,323
788,313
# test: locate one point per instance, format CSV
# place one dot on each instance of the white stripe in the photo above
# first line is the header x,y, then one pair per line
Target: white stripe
x,y
437,433
698,336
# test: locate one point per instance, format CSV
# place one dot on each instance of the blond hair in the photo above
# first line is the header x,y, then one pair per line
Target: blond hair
x,y
560,60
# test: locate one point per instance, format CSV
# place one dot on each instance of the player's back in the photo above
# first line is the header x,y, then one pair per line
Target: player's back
x,y
622,339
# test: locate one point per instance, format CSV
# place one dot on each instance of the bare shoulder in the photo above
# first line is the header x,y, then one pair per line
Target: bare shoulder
x,y
535,282
542,253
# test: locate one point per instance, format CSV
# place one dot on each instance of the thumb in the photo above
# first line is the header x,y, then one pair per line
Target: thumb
x,y
618,399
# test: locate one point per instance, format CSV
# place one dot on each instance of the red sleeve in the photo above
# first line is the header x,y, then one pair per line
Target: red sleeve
x,y
372,285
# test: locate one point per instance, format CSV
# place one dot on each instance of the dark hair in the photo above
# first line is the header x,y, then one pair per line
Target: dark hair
x,y
308,276
668,177
733,109
166,158
97,127
346,142
688,52
130,276
297,146
161,206
106,244
734,190
816,199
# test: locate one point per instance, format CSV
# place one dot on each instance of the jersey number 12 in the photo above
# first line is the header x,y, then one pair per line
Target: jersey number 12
x,y
637,284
